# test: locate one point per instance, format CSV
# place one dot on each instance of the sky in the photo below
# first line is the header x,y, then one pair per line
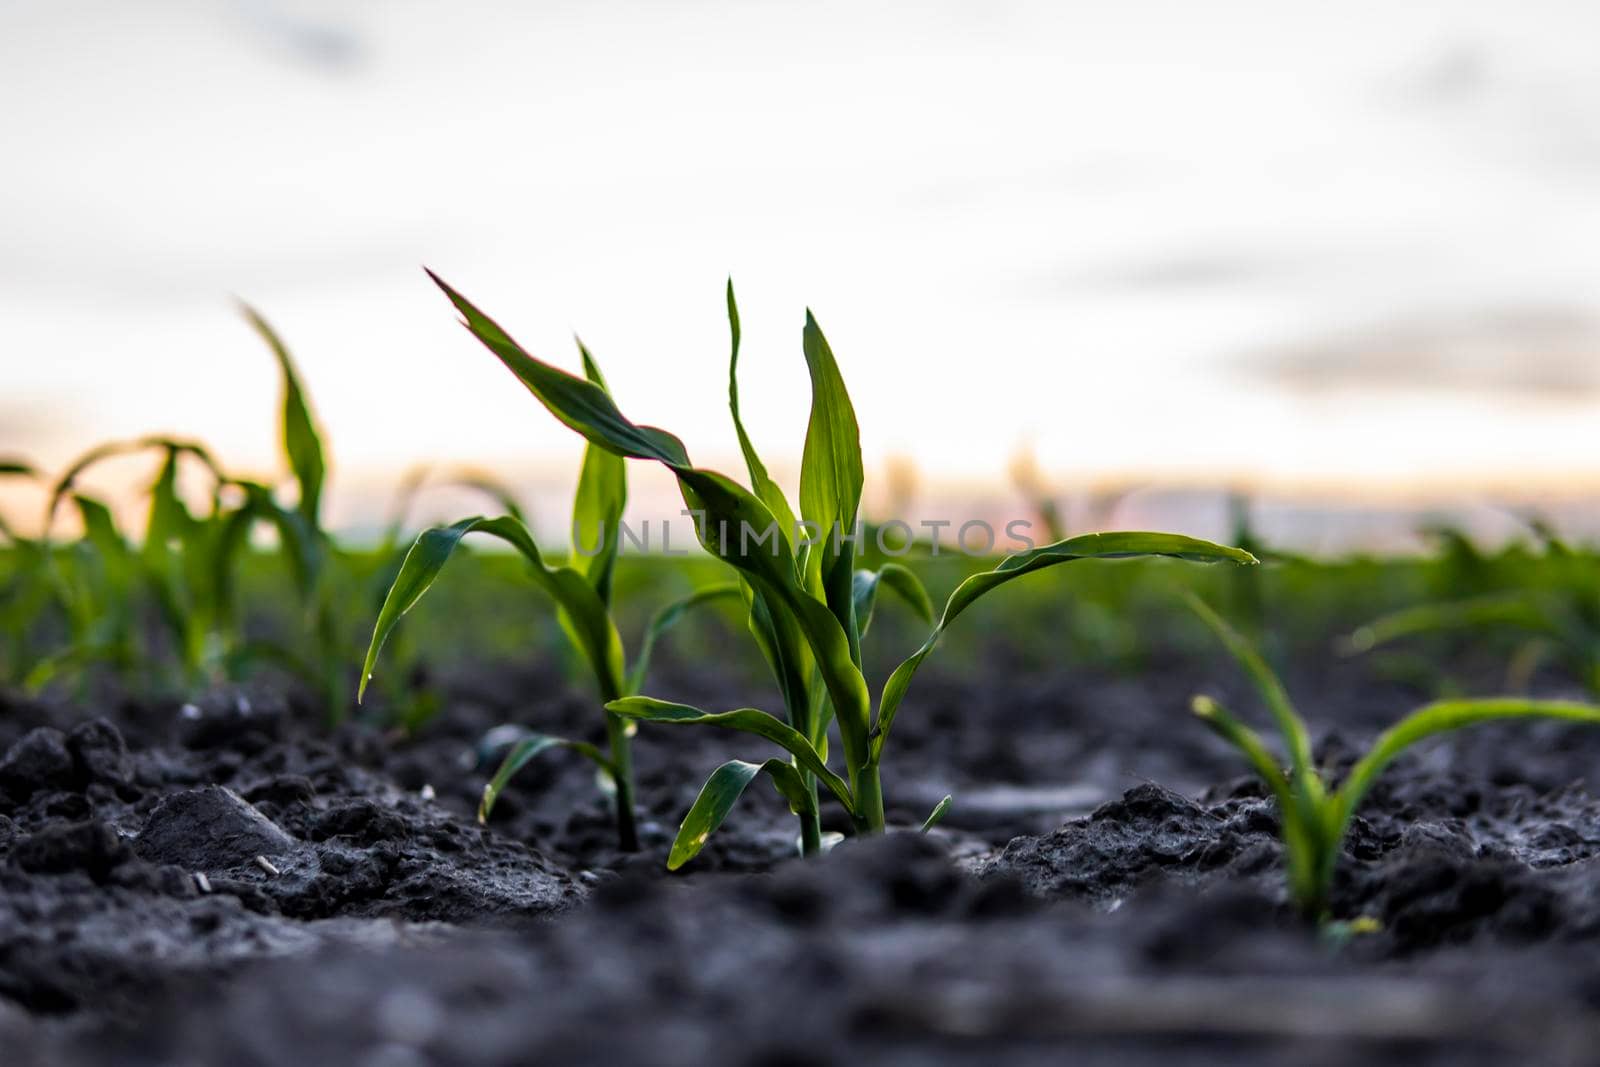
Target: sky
x,y
1345,248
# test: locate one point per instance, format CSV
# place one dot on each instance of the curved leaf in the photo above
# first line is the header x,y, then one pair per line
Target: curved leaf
x,y
296,536
522,753
1300,811
597,505
897,579
1122,545
766,490
1514,609
939,811
592,629
580,404
667,618
746,720
64,485
718,796
1438,718
464,478
302,443
831,477
100,529
1290,725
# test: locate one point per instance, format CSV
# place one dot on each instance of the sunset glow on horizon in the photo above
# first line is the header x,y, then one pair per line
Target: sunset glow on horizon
x,y
1113,238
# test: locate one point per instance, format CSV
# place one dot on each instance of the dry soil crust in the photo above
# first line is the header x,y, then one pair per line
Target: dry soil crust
x,y
224,884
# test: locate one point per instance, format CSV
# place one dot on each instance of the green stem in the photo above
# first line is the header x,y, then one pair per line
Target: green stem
x,y
868,791
811,823
622,760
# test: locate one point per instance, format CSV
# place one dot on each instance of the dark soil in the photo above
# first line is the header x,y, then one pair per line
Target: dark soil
x,y
227,883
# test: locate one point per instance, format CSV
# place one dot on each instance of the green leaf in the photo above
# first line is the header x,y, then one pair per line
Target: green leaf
x,y
728,509
766,490
897,579
789,658
939,811
597,507
746,720
16,468
99,529
592,629
522,753
296,537
831,477
169,519
1273,694
302,444
1300,811
169,524
464,478
1514,609
580,404
718,796
1123,545
1438,718
667,618
64,485
1249,744
772,574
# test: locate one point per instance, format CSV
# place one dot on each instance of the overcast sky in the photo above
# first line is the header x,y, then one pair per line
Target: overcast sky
x,y
1304,243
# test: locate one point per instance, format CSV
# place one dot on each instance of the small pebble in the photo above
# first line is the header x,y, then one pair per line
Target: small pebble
x,y
427,792
201,882
266,865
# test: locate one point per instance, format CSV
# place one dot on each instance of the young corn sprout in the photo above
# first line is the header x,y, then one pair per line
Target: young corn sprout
x,y
186,561
311,549
582,590
25,588
99,582
807,603
1316,813
1561,622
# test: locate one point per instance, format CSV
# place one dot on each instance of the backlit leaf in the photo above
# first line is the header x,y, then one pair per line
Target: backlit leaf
x,y
521,754
718,796
1122,545
592,629
746,720
302,443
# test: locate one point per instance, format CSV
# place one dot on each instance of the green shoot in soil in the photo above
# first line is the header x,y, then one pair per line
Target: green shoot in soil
x,y
799,581
1315,813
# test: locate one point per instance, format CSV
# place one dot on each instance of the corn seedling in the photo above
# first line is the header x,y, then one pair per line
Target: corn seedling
x,y
302,536
25,589
582,591
186,561
104,578
799,581
1560,623
1315,814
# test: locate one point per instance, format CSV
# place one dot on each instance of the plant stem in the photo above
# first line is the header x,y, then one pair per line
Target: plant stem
x,y
811,824
622,760
869,800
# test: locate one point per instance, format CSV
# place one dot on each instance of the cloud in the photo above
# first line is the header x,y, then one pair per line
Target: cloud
x,y
1544,353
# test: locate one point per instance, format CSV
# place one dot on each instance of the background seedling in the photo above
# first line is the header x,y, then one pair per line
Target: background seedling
x,y
802,595
1315,813
1561,619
